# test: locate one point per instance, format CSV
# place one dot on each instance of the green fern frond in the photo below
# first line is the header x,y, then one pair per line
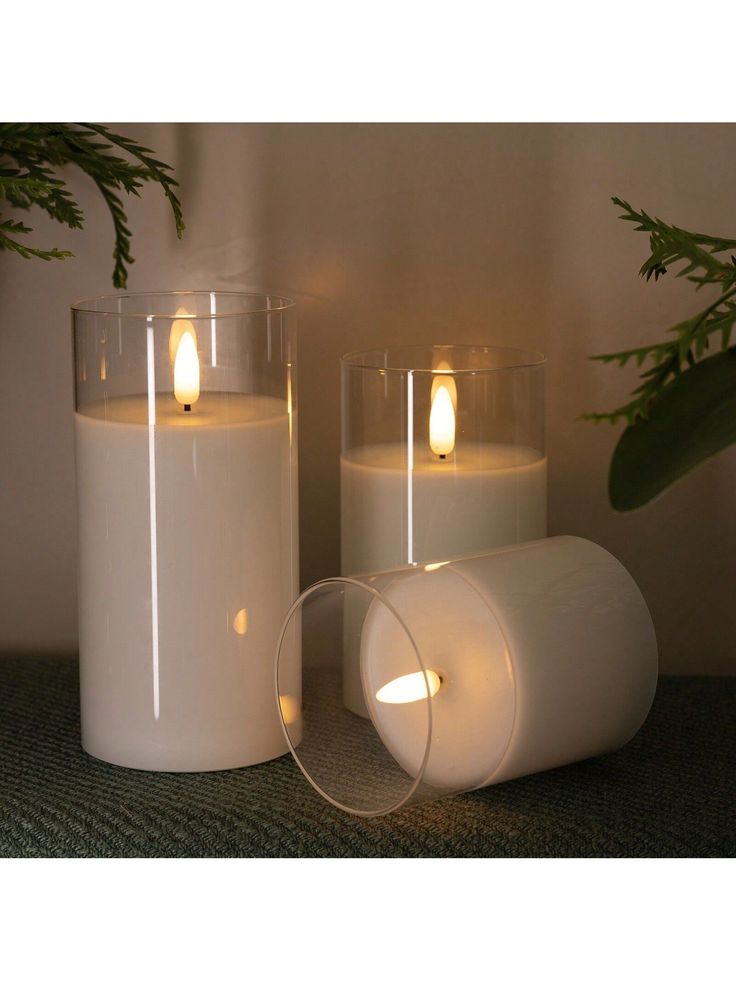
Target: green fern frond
x,y
156,168
670,245
30,155
10,228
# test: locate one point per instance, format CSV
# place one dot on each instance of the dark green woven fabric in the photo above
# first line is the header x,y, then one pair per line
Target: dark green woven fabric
x,y
670,792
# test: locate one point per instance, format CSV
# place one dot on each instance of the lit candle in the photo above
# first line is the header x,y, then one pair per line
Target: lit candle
x,y
186,372
442,421
535,656
187,563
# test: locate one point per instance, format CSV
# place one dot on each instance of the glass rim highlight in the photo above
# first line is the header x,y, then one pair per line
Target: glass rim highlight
x,y
87,305
376,359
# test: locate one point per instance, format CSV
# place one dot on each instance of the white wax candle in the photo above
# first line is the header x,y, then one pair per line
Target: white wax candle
x,y
187,564
545,652
481,497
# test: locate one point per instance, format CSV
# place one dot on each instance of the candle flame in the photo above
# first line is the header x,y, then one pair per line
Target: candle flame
x,y
186,370
443,368
178,329
410,688
442,421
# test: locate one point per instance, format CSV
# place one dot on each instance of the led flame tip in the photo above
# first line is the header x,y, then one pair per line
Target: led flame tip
x,y
442,422
410,688
183,324
186,371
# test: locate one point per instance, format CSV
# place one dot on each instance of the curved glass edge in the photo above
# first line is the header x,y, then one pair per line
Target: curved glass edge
x,y
418,791
109,305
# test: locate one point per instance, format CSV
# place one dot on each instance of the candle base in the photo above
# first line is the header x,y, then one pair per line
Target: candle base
x,y
173,763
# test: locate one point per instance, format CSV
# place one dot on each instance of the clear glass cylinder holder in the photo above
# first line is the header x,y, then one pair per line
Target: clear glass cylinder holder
x,y
443,455
186,446
473,671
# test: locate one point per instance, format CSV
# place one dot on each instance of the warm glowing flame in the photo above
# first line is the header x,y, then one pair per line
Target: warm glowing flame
x,y
186,371
178,329
410,688
443,369
442,421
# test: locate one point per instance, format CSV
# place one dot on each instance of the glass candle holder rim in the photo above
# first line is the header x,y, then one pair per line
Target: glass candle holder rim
x,y
87,305
522,359
375,594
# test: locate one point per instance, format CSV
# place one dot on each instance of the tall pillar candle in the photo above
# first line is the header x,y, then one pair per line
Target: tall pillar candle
x,y
443,455
186,483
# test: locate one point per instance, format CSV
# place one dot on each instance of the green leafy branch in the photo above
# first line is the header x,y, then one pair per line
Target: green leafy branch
x,y
9,229
30,155
669,244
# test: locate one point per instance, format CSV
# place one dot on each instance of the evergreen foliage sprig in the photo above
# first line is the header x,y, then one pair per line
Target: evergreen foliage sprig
x,y
669,244
32,153
684,409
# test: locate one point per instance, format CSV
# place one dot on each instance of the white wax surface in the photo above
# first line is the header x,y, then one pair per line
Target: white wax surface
x,y
211,409
224,480
547,654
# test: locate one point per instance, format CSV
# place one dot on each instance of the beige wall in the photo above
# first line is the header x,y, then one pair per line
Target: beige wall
x,y
497,234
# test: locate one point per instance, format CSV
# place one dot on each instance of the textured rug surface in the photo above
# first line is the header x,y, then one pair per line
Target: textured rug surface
x,y
670,792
